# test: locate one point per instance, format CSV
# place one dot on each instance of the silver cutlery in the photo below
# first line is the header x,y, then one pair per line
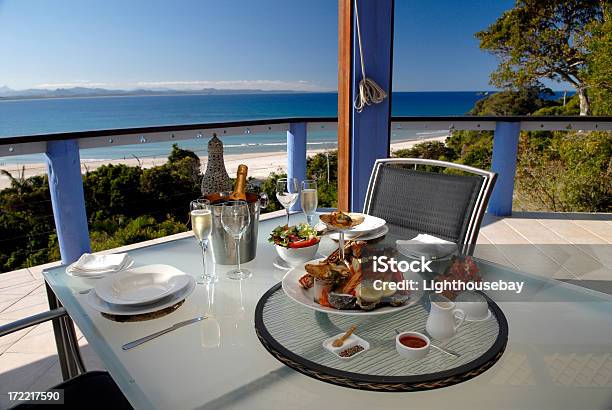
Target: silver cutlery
x,y
442,349
175,326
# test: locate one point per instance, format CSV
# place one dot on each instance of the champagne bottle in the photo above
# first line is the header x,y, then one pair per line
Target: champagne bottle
x,y
239,193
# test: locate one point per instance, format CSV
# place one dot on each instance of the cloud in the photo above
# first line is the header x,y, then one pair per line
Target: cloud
x,y
72,84
268,85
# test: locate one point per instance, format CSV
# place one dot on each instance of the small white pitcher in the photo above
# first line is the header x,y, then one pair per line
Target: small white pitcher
x,y
442,322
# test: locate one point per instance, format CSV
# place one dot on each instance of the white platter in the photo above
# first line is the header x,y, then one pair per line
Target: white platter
x,y
378,233
370,223
304,297
101,306
140,286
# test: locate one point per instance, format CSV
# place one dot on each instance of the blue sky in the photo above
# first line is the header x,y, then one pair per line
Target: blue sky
x,y
267,44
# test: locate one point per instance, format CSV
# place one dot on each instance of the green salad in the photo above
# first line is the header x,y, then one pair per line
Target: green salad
x,y
297,236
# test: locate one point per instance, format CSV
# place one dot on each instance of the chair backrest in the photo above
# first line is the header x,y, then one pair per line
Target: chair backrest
x,y
449,206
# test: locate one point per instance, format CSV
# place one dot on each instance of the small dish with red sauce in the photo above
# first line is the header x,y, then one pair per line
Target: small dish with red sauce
x,y
412,345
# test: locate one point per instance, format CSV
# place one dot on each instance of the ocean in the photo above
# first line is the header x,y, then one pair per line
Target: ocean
x,y
41,116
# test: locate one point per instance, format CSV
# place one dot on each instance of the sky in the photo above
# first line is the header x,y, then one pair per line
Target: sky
x,y
246,44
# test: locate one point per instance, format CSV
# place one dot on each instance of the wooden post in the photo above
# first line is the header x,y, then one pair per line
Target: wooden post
x,y
370,135
345,85
67,198
296,155
505,147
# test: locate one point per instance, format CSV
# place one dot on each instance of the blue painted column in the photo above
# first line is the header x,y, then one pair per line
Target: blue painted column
x,y
67,199
296,155
505,146
370,127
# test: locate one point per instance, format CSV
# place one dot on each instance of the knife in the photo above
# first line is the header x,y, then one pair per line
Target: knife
x,y
175,326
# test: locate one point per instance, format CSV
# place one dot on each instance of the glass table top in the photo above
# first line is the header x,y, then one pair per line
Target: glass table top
x,y
559,353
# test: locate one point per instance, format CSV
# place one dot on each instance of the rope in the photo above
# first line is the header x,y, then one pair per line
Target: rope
x,y
369,92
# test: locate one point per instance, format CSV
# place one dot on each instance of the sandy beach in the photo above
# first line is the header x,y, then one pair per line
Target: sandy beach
x,y
260,164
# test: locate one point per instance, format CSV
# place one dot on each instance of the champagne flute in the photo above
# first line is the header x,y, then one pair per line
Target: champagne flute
x,y
287,193
235,218
309,199
201,224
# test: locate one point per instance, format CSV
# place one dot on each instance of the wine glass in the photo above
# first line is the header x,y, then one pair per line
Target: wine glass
x,y
201,224
287,193
309,199
235,218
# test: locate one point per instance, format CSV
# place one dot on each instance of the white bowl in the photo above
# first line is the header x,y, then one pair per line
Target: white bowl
x,y
474,311
413,353
297,256
474,305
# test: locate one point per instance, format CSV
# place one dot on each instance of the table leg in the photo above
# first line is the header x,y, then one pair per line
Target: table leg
x,y
70,360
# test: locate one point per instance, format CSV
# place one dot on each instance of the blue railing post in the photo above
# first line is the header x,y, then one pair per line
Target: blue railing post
x,y
67,199
296,155
505,147
371,127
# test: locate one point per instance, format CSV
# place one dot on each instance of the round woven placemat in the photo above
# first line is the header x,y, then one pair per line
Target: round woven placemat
x,y
372,373
145,316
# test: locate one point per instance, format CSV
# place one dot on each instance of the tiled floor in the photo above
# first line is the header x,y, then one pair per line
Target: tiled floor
x,y
572,247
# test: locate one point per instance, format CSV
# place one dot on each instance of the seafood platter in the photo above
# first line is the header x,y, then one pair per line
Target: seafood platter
x,y
345,285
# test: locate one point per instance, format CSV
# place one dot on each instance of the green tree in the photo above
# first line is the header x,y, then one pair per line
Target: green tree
x,y
599,61
475,148
543,39
565,171
323,167
268,186
113,190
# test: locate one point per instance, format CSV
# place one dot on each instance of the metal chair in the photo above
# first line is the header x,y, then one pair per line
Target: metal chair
x,y
449,206
95,389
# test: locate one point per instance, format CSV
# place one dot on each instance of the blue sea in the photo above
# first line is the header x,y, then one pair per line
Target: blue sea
x,y
41,116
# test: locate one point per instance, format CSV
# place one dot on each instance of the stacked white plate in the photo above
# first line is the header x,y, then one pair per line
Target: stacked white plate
x,y
427,246
97,266
141,290
372,227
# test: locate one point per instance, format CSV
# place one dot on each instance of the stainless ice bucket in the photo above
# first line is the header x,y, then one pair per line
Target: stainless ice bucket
x,y
223,245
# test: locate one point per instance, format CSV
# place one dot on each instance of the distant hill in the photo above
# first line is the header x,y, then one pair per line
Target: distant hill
x,y
7,93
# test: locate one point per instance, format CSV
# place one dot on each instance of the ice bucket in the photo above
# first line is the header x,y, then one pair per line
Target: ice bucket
x,y
223,244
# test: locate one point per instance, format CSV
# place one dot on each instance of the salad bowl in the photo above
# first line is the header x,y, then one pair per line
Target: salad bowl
x,y
295,244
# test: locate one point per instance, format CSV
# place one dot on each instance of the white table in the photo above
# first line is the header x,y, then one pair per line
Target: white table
x,y
559,353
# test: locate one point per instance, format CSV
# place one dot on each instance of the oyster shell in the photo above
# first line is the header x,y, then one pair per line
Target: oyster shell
x,y
397,299
367,297
341,301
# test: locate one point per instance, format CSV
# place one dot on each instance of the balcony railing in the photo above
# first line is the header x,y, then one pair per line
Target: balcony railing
x,y
62,154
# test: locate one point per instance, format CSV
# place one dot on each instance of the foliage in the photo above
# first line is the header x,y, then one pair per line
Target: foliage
x,y
125,205
521,101
269,188
128,231
323,167
542,39
105,190
571,107
562,171
428,150
475,148
26,224
599,61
